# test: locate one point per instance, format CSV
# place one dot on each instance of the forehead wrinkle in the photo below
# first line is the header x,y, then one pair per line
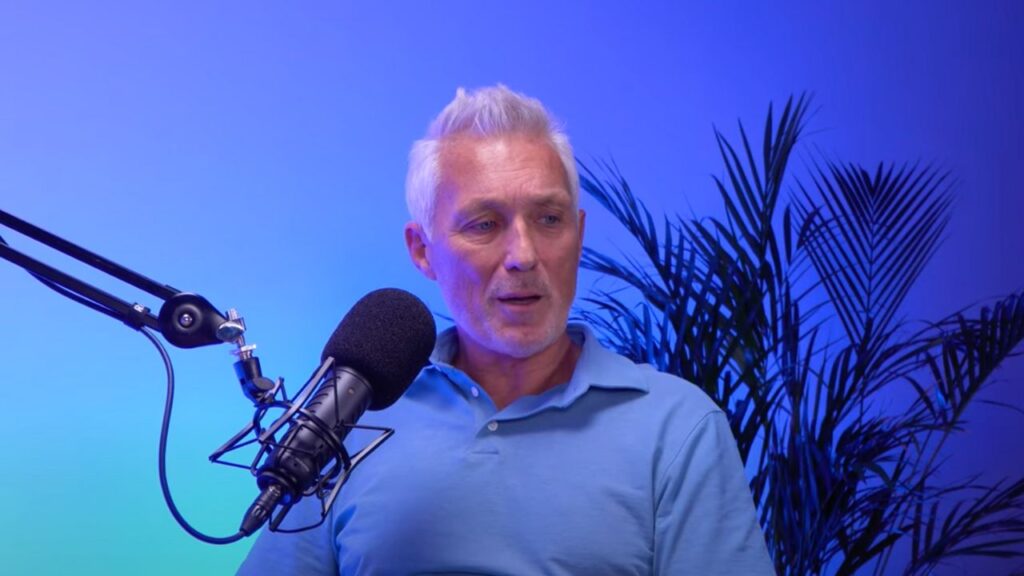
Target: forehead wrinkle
x,y
499,202
479,174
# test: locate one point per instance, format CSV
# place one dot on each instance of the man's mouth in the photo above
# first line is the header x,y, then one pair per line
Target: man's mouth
x,y
519,299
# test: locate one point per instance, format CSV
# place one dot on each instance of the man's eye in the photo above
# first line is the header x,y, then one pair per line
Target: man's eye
x,y
482,226
550,219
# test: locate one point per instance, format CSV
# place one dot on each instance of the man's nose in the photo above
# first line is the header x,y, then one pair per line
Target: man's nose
x,y
521,253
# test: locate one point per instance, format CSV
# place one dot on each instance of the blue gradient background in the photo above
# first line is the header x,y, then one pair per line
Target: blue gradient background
x,y
255,153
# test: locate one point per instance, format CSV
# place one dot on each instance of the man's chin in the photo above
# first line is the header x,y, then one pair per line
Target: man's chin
x,y
523,344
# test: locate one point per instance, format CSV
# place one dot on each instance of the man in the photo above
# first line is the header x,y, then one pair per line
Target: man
x,y
525,447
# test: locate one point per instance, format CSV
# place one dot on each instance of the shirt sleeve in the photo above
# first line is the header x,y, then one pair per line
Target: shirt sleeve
x,y
307,553
705,521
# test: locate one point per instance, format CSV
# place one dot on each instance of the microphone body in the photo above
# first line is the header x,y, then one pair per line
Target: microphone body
x,y
309,445
377,350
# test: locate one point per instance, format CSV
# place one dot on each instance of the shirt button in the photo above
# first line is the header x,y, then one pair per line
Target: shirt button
x,y
492,425
474,391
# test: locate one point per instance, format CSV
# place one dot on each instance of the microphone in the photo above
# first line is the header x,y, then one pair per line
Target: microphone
x,y
378,349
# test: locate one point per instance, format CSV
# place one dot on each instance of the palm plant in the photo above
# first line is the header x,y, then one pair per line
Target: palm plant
x,y
787,313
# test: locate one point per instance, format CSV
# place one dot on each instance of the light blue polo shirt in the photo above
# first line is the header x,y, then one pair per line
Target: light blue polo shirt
x,y
622,470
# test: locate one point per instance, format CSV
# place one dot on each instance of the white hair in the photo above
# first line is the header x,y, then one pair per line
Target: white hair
x,y
491,111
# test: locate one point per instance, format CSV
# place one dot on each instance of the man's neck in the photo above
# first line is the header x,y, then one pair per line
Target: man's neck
x,y
506,379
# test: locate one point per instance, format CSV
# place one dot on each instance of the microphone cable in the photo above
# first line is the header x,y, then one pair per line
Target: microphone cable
x,y
162,465
168,406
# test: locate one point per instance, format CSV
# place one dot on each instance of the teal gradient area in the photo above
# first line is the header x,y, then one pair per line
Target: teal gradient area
x,y
255,153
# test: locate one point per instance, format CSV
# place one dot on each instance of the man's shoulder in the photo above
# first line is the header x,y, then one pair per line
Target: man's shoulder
x,y
669,387
662,391
678,403
667,413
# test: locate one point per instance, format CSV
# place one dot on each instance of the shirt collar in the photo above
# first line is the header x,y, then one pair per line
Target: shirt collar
x,y
600,367
597,367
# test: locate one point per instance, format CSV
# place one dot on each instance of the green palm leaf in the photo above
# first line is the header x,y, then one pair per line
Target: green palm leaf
x,y
869,238
965,353
736,306
989,524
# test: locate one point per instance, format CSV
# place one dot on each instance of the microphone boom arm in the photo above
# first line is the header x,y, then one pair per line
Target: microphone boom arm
x,y
188,320
185,320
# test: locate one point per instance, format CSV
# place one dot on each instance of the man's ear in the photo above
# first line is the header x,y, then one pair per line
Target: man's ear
x,y
419,250
582,219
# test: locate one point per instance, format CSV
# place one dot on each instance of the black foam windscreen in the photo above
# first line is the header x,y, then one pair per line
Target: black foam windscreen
x,y
387,337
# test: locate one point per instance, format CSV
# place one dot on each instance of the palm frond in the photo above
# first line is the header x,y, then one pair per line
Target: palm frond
x,y
870,237
989,524
736,305
966,352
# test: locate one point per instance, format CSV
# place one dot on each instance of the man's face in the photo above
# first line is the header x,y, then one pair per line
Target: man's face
x,y
506,242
